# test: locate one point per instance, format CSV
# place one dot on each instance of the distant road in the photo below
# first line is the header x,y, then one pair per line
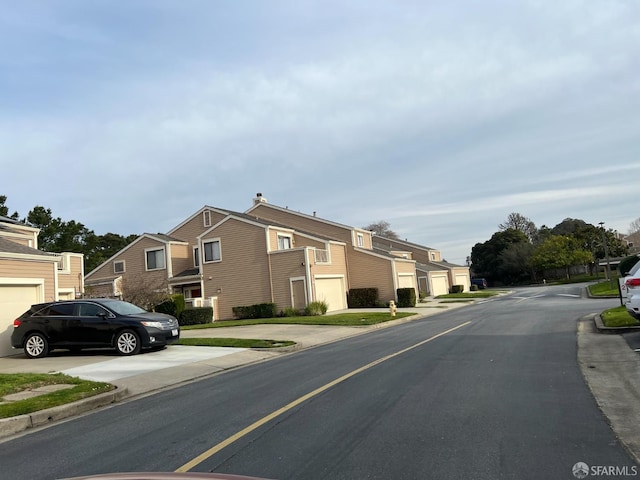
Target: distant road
x,y
485,392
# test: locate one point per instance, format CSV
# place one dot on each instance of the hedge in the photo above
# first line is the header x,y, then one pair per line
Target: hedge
x,y
362,298
196,316
457,289
406,297
259,310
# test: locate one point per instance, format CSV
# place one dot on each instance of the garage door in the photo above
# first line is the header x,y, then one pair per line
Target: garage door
x,y
15,300
463,280
406,281
331,291
440,286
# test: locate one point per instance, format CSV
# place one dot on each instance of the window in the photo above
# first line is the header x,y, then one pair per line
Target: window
x,y
155,259
118,266
56,310
284,242
91,310
433,256
196,257
212,251
206,218
360,240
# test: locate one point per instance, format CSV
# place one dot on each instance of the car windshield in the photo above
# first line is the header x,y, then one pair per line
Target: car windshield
x,y
635,268
123,308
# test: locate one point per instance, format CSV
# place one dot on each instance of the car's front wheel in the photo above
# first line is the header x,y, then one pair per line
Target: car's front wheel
x,y
127,342
36,345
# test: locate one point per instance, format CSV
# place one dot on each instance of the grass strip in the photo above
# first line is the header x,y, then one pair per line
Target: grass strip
x,y
603,289
235,342
18,382
341,319
618,317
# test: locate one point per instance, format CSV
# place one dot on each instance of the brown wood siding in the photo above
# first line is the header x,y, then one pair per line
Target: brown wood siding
x,y
286,265
243,273
337,266
10,268
190,231
370,271
134,260
181,258
73,279
306,224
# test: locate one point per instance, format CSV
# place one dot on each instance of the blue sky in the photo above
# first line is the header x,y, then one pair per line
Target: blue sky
x,y
440,117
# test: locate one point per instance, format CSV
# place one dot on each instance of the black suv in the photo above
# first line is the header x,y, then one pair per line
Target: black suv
x,y
91,323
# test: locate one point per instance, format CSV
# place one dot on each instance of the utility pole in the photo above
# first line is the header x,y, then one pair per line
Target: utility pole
x,y
606,254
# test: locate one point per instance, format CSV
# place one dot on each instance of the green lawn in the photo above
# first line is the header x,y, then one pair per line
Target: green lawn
x,y
235,342
618,317
18,382
603,289
342,319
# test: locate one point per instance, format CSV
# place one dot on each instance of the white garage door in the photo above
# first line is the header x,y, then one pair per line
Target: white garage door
x,y
14,301
463,280
440,286
406,281
331,291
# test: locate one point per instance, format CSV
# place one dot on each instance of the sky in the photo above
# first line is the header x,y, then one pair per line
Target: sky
x,y
440,117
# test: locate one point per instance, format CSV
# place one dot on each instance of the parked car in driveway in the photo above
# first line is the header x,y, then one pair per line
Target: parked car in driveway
x,y
91,323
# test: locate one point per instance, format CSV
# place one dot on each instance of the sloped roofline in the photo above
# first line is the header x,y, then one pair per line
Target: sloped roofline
x,y
153,236
304,215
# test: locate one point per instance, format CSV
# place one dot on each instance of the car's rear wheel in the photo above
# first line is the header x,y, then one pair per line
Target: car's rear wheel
x,y
128,342
36,345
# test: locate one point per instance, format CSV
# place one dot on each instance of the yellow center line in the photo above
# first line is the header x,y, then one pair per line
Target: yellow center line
x,y
237,436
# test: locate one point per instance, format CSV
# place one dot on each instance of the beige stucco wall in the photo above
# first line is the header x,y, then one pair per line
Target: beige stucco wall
x,y
242,275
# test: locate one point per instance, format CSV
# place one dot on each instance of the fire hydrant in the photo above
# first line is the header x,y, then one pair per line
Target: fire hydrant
x,y
392,308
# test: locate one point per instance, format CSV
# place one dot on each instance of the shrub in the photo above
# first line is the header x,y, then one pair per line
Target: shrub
x,y
474,288
406,297
362,297
291,312
456,289
259,310
316,308
173,305
627,263
196,316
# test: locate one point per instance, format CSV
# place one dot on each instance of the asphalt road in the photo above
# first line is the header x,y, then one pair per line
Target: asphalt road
x,y
492,391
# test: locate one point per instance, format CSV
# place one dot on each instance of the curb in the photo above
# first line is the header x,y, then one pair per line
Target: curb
x,y
600,326
12,425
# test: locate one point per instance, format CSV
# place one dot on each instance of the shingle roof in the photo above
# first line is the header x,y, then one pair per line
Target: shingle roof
x,y
13,247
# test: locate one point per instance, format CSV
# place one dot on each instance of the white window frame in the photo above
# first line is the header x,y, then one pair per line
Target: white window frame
x,y
124,265
196,256
433,257
204,250
283,236
360,239
146,258
206,218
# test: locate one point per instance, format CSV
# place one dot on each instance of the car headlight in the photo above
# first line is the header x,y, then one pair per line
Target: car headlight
x,y
153,324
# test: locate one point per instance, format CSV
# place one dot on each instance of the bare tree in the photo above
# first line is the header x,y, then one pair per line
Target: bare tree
x,y
144,291
521,223
382,229
634,226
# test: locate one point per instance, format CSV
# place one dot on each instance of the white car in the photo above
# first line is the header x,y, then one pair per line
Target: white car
x,y
632,284
633,306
